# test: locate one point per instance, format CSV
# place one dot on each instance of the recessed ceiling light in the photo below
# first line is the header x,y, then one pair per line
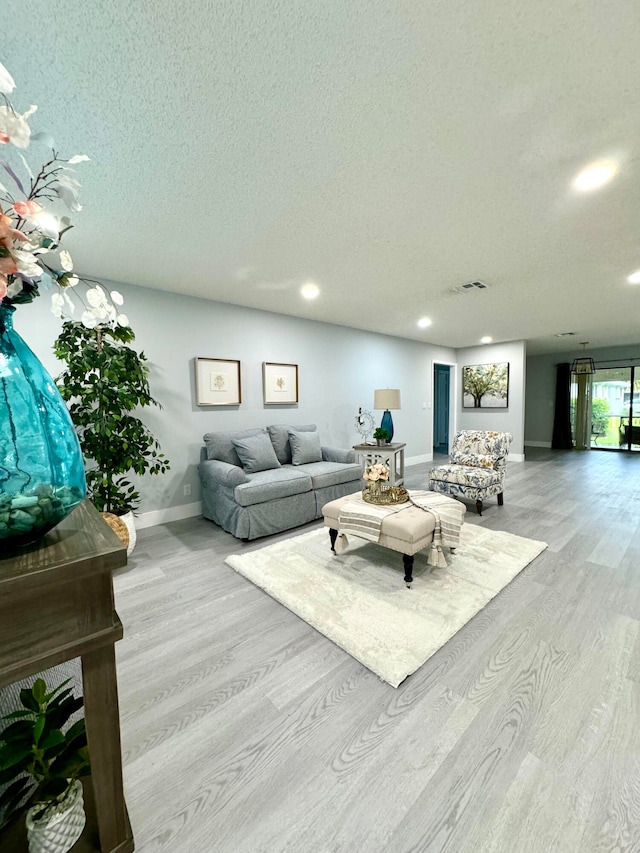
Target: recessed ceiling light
x,y
563,334
486,340
594,177
423,322
634,278
309,290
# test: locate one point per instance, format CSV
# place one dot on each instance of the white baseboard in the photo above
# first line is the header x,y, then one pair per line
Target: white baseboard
x,y
172,513
515,457
418,460
537,444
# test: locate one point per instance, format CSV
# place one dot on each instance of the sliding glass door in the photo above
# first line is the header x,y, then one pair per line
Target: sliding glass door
x,y
615,409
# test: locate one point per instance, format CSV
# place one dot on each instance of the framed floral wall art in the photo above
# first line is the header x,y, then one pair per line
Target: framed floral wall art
x,y
279,383
218,382
486,386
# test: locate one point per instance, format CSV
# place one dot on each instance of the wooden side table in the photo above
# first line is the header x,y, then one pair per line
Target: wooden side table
x,y
56,603
391,455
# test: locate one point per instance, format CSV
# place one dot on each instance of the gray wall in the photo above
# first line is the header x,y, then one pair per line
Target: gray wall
x,y
339,368
510,419
541,386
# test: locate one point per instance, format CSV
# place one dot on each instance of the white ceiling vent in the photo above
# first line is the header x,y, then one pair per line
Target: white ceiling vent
x,y
470,286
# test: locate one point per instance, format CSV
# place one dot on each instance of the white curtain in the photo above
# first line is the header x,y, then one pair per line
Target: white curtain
x,y
583,411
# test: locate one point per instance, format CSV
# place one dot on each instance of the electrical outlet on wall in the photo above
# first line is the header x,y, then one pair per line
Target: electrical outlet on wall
x,y
187,491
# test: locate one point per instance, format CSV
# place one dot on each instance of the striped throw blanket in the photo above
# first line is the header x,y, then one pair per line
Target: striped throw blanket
x,y
359,518
448,514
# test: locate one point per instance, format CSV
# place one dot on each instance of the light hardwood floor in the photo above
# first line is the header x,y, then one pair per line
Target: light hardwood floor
x,y
246,731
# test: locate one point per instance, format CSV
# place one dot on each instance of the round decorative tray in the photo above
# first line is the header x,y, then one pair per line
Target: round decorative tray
x,y
386,496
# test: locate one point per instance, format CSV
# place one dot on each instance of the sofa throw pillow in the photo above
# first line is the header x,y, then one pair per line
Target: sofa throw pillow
x,y
256,453
305,446
220,445
280,439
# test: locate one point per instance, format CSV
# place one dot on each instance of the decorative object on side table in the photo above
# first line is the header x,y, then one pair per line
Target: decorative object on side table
x,y
365,424
42,477
381,436
34,744
387,399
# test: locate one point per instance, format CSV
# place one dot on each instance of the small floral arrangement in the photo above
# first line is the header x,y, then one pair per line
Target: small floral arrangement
x,y
30,233
376,472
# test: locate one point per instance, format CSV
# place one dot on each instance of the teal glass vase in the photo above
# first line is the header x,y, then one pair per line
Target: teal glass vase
x,y
387,423
41,468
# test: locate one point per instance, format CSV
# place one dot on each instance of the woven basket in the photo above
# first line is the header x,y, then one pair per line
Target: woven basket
x,y
118,526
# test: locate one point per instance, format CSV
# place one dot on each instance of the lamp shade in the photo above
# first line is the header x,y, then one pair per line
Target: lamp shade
x,y
386,398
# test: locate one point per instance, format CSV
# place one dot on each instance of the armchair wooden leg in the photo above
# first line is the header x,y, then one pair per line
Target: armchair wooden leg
x,y
479,507
501,499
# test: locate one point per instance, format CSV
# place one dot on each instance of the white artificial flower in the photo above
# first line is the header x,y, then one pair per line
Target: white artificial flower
x,y
14,127
116,297
89,320
66,261
71,307
78,158
57,304
26,263
15,288
123,320
48,225
7,83
95,296
73,280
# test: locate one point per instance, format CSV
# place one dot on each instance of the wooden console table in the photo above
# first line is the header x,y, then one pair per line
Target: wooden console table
x,y
56,603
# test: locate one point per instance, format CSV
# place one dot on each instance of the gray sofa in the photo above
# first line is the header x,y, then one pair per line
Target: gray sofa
x,y
261,481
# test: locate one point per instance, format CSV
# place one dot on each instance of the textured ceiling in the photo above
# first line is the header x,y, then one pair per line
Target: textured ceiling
x,y
387,151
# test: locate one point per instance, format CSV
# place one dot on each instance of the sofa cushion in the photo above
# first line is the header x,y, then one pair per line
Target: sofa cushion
x,y
220,446
270,485
466,475
279,434
256,453
305,446
324,474
476,460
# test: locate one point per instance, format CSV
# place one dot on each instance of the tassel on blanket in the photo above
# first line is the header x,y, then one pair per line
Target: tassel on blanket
x,y
436,557
342,543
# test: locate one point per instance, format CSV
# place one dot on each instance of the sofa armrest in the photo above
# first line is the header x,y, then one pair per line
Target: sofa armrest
x,y
337,454
215,473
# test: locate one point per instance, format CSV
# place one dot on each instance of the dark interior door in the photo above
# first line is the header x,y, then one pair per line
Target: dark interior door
x,y
441,384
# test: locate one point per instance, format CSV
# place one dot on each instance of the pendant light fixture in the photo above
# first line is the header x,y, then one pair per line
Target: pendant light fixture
x,y
584,364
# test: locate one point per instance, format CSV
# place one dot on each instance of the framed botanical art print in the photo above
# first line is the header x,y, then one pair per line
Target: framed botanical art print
x,y
486,386
218,382
279,382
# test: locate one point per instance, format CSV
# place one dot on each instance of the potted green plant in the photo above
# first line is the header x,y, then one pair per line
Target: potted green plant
x,y
103,383
42,766
381,436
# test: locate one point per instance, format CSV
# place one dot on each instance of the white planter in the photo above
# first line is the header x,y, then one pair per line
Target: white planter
x,y
129,520
58,832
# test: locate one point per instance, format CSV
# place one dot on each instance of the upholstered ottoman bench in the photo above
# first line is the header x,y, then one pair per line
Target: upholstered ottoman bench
x,y
407,531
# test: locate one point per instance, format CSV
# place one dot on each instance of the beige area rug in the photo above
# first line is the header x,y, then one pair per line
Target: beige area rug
x,y
359,600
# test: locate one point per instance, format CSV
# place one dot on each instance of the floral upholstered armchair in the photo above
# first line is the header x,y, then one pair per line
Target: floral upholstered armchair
x,y
477,467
